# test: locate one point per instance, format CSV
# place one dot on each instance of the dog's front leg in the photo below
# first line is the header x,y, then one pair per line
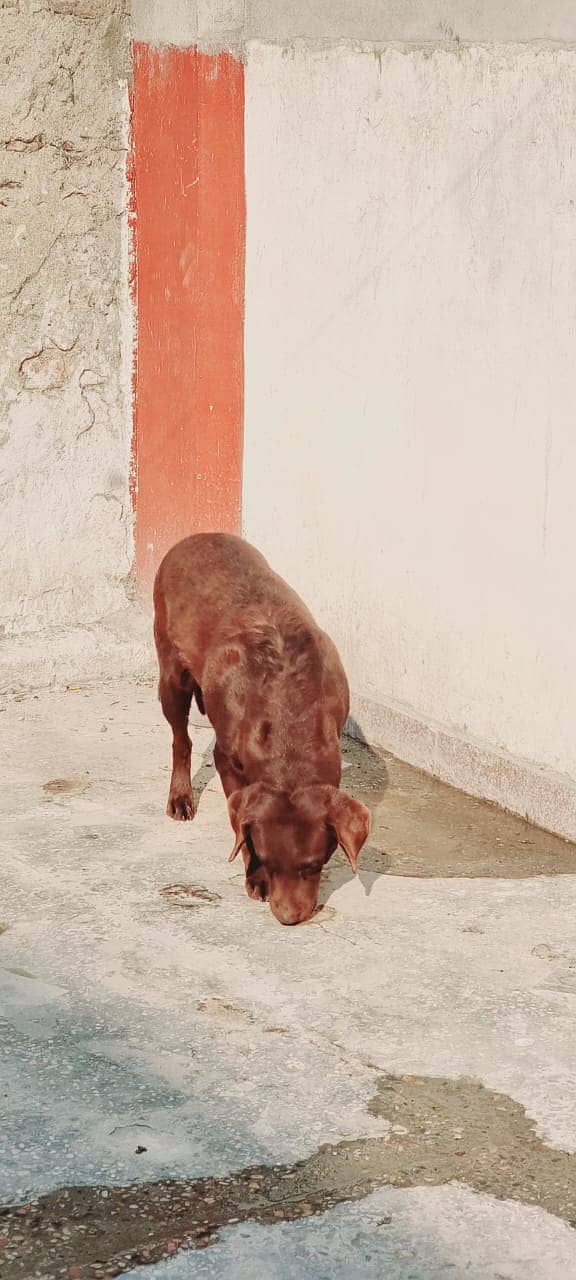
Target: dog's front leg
x,y
231,778
176,707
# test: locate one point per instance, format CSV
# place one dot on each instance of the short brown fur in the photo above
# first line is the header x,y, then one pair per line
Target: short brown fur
x,y
232,634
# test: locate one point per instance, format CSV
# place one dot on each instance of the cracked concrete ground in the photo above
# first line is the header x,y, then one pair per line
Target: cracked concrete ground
x,y
190,1090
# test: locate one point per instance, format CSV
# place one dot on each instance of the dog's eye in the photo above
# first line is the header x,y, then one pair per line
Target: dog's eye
x,y
313,870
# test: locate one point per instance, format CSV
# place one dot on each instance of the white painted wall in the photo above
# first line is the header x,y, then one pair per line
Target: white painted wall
x,y
411,375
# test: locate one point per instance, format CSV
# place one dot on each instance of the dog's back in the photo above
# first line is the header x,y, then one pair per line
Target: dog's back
x,y
214,590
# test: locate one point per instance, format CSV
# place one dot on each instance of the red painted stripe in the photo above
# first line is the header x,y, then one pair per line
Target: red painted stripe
x,y
189,223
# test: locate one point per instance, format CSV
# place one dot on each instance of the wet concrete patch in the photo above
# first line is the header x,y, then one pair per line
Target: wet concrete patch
x,y
424,828
440,1131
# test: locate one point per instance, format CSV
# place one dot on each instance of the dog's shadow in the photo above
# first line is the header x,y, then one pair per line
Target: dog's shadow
x,y
205,772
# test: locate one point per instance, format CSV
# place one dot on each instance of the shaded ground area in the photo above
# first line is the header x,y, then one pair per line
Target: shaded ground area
x,y
440,1131
422,827
178,1072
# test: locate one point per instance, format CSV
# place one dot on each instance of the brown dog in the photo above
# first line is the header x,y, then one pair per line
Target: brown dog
x,y
232,634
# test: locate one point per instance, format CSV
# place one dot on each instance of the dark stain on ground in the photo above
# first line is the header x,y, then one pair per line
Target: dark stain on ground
x,y
442,1131
222,1009
190,896
424,828
63,786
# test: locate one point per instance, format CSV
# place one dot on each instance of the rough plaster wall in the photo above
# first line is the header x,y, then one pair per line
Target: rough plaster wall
x,y
65,516
411,373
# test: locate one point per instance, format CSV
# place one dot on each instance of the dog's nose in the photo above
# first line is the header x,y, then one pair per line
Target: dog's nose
x,y
290,915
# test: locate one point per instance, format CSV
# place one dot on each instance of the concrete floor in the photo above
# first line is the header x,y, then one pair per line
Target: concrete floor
x,y
190,1090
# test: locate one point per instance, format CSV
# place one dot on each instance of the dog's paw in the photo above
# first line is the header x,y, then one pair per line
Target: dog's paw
x,y
180,808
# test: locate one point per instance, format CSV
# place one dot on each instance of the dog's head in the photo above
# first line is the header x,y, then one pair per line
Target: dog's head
x,y
286,841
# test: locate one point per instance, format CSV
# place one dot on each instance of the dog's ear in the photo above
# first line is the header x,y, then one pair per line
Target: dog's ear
x,y
240,840
245,806
351,822
235,808
348,818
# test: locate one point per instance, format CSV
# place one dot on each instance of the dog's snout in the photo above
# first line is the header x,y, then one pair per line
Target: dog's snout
x,y
289,917
287,913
